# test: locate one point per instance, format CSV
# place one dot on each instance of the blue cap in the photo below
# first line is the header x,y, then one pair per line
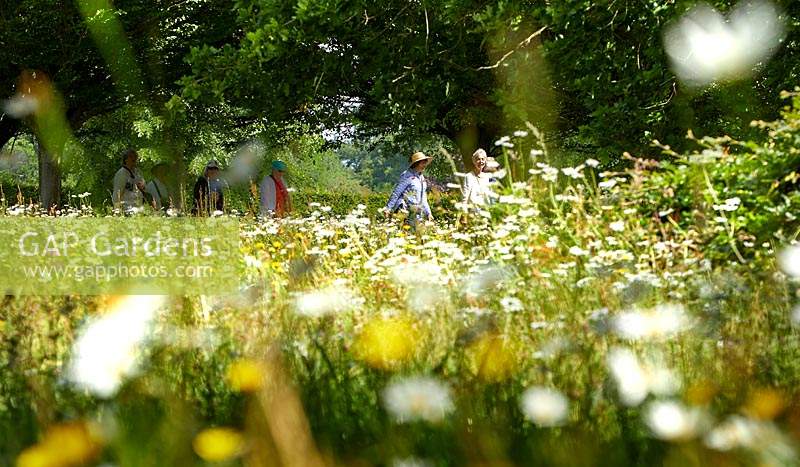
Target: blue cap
x,y
279,165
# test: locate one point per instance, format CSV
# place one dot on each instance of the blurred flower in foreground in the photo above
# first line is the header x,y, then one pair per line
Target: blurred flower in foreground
x,y
762,437
701,392
218,444
332,299
635,381
21,105
74,443
425,299
410,270
789,260
486,278
703,47
411,462
245,375
795,317
764,404
544,406
417,398
386,343
662,321
108,349
736,431
492,358
670,420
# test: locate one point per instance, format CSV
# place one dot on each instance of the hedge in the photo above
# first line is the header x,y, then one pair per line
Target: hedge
x,y
442,204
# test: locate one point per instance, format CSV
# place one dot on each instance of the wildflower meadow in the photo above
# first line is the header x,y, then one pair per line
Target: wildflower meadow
x,y
627,292
638,316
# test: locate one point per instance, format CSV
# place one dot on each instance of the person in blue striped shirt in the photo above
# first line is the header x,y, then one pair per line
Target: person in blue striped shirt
x,y
410,193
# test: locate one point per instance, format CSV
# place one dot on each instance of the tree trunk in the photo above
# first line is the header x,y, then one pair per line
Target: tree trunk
x,y
49,179
471,138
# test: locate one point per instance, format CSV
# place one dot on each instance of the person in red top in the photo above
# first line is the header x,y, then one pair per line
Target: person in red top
x,y
275,198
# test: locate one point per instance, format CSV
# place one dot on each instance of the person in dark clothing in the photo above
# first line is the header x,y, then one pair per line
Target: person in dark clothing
x,y
208,191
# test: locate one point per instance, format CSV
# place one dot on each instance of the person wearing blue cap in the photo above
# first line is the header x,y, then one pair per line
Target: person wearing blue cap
x,y
275,199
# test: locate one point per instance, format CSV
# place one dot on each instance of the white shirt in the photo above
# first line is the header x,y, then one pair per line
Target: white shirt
x,y
126,194
158,191
269,197
476,190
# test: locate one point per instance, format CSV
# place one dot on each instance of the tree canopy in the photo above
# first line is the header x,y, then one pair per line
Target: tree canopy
x,y
596,72
182,77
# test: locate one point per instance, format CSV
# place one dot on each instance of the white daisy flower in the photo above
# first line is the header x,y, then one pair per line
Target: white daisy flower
x,y
109,348
789,260
704,47
544,406
670,420
418,398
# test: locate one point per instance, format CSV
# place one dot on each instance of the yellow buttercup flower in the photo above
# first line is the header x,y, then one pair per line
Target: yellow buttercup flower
x,y
765,404
219,444
67,444
38,456
492,358
701,392
245,376
386,342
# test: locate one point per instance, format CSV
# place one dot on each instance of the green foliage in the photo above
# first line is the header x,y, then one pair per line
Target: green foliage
x,y
17,166
389,66
601,77
311,166
737,194
379,162
616,90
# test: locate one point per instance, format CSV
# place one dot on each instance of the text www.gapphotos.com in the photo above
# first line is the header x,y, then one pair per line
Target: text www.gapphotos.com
x,y
120,271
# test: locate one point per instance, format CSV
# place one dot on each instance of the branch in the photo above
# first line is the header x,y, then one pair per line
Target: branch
x,y
524,43
662,104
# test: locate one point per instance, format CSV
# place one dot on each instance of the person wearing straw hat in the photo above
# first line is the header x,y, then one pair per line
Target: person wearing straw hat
x,y
208,191
410,193
275,199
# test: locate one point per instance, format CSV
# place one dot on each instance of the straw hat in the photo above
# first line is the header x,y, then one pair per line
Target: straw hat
x,y
416,157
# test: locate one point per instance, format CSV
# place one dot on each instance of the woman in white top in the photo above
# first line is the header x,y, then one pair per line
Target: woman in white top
x,y
476,189
128,184
275,198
